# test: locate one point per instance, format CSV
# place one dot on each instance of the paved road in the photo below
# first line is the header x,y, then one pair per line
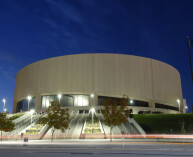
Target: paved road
x,y
93,149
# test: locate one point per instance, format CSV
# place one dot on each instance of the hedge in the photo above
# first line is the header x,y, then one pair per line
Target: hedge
x,y
166,123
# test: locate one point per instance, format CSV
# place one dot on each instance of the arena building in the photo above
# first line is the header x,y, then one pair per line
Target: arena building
x,y
83,81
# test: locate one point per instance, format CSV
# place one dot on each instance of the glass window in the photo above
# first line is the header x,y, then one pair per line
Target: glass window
x,y
157,105
81,100
134,102
23,105
139,103
66,100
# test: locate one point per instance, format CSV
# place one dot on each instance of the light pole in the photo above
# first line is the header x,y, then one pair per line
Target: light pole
x,y
186,109
92,99
178,101
31,111
92,110
29,98
4,101
59,96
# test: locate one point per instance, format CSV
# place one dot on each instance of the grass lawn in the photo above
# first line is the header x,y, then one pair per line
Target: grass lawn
x,y
165,123
17,116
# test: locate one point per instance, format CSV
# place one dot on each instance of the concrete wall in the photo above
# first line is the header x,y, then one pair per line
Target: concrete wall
x,y
103,74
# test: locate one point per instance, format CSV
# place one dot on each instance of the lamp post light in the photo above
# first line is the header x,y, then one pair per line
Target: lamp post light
x,y
32,111
4,101
178,101
59,96
92,110
186,109
131,101
92,99
28,98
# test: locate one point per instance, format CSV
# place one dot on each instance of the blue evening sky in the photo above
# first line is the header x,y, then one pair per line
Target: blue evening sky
x,y
31,30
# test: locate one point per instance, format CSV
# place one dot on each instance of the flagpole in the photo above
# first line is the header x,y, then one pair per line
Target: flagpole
x,y
190,57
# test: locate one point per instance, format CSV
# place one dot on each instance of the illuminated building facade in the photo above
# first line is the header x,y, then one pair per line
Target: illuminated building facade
x,y
83,81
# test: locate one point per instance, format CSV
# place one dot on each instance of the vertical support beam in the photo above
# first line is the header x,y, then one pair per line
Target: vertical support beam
x,y
151,104
14,107
38,103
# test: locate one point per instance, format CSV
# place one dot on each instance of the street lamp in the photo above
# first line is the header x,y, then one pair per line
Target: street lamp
x,y
131,101
92,110
4,101
92,99
32,111
186,108
59,96
29,98
178,101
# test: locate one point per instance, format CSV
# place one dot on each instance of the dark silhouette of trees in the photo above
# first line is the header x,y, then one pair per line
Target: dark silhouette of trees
x,y
6,124
115,112
56,118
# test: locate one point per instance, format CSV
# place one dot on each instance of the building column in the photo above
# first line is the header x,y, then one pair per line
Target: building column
x,y
93,100
151,104
38,103
14,106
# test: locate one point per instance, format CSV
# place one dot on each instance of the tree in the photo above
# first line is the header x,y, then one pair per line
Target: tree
x,y
6,124
115,112
56,117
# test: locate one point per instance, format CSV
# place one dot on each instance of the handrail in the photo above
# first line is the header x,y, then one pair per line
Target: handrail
x,y
77,123
134,131
22,117
43,131
125,128
137,126
101,126
83,127
20,127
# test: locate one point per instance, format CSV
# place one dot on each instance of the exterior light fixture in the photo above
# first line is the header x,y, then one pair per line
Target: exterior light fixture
x,y
92,110
4,101
59,96
131,101
178,101
92,99
29,98
32,111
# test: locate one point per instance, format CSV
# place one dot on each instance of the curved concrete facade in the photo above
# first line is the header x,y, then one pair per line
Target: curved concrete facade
x,y
111,75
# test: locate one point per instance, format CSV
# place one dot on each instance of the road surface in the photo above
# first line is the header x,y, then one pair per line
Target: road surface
x,y
95,149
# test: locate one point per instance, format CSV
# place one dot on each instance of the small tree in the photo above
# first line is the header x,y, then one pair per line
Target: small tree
x,y
115,113
6,124
56,117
